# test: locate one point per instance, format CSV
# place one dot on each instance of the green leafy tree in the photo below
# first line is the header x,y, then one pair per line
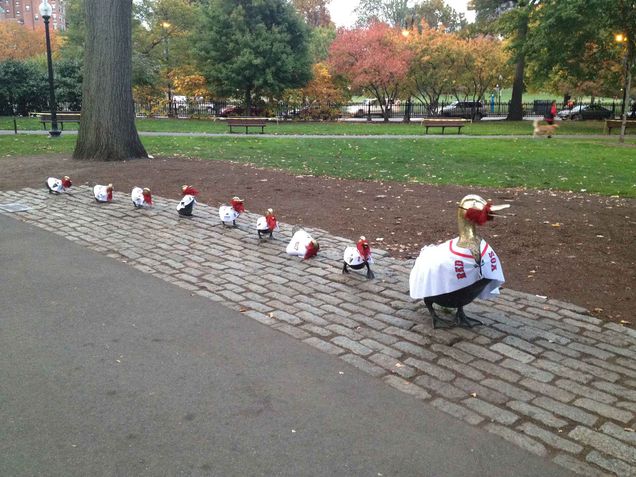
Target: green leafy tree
x,y
23,87
253,48
320,40
163,47
75,33
315,12
393,12
68,83
408,14
511,18
588,59
437,12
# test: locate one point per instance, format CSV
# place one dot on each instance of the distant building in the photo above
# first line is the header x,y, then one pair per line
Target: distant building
x,y
27,13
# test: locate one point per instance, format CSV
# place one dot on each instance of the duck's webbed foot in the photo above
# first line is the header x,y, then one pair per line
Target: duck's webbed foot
x,y
438,321
345,269
370,274
465,322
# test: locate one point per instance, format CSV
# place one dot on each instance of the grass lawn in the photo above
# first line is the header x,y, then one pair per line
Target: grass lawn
x,y
595,165
478,128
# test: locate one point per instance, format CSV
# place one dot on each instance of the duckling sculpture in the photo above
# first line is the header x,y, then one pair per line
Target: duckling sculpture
x,y
58,186
267,224
454,273
302,244
103,193
141,198
229,213
358,257
188,201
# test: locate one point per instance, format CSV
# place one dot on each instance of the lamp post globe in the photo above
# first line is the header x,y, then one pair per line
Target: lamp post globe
x,y
45,12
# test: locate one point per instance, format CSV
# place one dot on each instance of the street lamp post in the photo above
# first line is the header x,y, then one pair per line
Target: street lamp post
x,y
45,12
627,80
166,51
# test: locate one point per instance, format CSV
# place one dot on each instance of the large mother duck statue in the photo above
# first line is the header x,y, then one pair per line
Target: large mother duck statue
x,y
454,273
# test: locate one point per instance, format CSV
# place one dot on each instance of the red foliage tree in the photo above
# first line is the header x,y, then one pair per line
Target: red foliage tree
x,y
374,60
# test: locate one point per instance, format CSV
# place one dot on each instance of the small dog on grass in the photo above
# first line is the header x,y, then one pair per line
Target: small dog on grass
x,y
543,130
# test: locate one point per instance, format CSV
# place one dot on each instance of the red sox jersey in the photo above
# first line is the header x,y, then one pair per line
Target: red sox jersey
x,y
228,214
137,197
352,257
446,268
55,185
101,193
298,244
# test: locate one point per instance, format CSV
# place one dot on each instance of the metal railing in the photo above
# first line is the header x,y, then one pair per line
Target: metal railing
x,y
399,110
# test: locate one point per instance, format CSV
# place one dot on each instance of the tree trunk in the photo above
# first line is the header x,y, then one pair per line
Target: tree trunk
x,y
248,102
515,113
107,131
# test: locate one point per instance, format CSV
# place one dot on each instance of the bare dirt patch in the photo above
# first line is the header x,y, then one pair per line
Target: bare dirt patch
x,y
574,247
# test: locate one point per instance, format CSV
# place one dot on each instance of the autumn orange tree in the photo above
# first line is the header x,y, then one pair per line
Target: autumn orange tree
x,y
19,43
321,97
483,60
445,64
434,64
375,60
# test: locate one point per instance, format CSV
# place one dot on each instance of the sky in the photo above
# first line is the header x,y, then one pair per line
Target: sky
x,y
341,11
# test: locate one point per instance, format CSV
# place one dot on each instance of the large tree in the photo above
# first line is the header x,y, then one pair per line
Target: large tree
x,y
108,131
407,14
23,87
163,54
393,12
588,53
254,48
315,12
512,20
374,60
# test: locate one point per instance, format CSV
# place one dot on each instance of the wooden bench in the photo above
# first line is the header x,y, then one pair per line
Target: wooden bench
x,y
445,123
61,118
616,123
247,123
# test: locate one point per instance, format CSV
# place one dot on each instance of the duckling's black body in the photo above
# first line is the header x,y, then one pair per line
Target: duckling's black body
x,y
360,266
457,299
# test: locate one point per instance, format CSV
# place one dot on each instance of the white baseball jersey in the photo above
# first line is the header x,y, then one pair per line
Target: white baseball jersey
x,y
446,268
55,184
137,196
101,193
187,200
228,214
298,244
352,257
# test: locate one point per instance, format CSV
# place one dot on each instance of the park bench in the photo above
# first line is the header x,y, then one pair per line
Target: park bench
x,y
616,123
247,123
61,118
445,123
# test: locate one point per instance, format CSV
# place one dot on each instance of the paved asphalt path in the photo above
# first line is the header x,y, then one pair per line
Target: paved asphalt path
x,y
105,371
451,135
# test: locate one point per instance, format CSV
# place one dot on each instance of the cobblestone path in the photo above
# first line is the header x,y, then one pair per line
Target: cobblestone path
x,y
542,374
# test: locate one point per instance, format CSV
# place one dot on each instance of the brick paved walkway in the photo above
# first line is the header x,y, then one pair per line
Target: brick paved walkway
x,y
542,374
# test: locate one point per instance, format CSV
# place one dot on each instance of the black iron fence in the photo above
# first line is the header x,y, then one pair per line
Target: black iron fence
x,y
367,110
